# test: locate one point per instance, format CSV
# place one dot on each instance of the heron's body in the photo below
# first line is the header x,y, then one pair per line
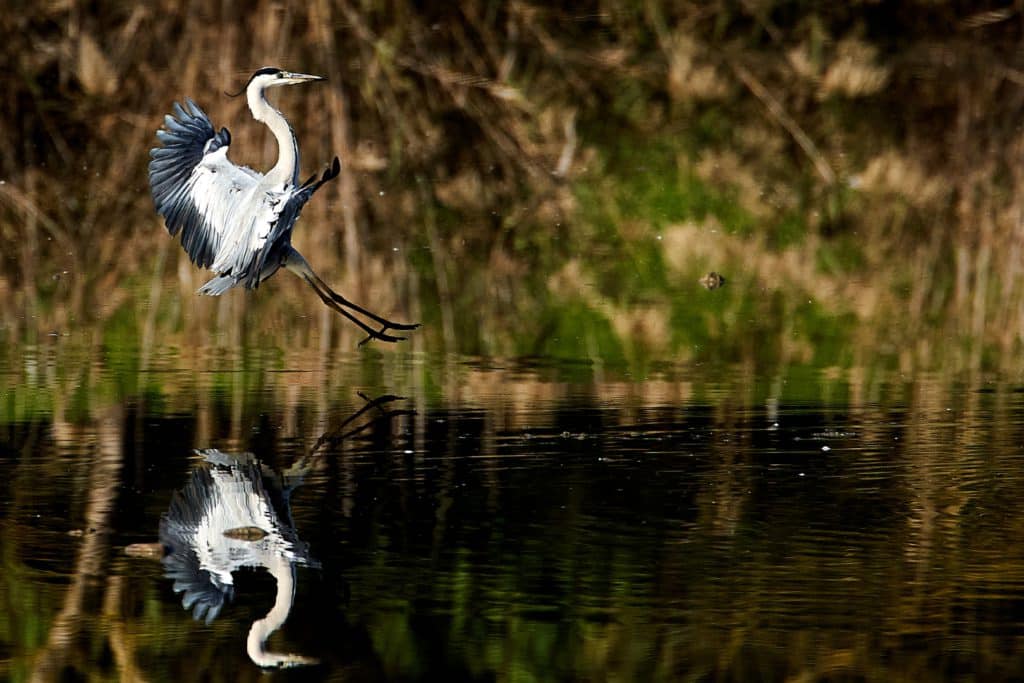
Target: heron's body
x,y
233,220
234,514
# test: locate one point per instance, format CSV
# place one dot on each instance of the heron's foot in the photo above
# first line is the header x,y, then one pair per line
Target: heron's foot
x,y
332,171
381,334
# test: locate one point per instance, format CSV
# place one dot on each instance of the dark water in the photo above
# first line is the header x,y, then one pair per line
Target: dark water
x,y
516,520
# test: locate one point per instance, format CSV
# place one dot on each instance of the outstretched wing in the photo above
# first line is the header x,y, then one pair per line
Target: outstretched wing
x,y
204,591
217,206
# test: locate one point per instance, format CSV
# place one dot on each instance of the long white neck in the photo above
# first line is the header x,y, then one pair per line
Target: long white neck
x,y
282,570
286,170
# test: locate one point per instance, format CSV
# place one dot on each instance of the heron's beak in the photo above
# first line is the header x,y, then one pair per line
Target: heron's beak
x,y
289,78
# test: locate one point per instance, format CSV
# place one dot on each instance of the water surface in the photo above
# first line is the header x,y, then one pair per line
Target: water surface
x,y
512,519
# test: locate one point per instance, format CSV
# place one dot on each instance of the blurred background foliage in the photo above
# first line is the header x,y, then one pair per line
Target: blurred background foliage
x,y
536,180
550,184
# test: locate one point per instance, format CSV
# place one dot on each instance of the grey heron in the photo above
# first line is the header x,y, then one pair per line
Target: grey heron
x,y
234,513
236,221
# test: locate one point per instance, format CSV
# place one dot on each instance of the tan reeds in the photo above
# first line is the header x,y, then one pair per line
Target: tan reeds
x,y
484,112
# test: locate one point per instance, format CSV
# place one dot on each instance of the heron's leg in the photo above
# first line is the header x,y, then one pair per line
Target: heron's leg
x,y
338,435
388,324
370,332
296,263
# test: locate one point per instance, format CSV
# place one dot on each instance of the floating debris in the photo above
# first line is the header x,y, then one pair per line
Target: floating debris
x,y
149,551
245,533
712,280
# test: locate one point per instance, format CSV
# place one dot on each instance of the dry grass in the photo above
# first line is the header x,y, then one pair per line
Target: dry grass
x,y
884,126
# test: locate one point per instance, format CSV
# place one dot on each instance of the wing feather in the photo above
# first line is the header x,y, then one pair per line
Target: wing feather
x,y
220,209
204,591
288,214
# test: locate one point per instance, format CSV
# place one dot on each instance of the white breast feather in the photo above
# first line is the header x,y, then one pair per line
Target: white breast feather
x,y
237,208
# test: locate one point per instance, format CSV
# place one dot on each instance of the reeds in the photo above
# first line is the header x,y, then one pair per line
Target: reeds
x,y
468,129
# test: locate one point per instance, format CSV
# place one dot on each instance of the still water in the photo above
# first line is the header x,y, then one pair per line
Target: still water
x,y
390,515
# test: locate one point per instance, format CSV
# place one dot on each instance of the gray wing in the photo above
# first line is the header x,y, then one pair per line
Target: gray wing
x,y
222,210
187,137
203,591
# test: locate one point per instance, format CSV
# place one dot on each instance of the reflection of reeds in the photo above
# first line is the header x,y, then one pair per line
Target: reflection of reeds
x,y
912,545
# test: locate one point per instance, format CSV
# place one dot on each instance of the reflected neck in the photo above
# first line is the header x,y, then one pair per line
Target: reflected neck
x,y
284,571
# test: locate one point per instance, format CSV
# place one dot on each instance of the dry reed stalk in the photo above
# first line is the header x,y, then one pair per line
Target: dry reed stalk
x,y
777,112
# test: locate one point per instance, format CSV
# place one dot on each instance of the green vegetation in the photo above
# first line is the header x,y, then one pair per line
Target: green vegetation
x,y
813,152
543,189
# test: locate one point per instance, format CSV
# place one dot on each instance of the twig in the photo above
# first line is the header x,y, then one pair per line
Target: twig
x,y
786,121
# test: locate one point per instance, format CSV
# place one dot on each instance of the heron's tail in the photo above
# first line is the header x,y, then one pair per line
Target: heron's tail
x,y
218,285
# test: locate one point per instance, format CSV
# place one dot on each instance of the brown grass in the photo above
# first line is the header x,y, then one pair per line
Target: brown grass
x,y
877,123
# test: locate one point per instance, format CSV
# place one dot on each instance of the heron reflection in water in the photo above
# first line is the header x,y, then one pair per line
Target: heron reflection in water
x,y
235,513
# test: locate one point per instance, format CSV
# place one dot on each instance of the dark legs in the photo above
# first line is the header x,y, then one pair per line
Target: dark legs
x,y
340,304
336,436
297,264
294,262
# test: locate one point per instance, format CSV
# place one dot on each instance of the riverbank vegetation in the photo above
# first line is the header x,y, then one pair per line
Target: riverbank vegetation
x,y
853,170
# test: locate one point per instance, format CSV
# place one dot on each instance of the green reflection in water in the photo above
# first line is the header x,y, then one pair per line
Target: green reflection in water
x,y
535,519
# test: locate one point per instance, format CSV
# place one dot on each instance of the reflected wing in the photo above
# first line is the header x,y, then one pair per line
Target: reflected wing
x,y
204,591
204,594
219,208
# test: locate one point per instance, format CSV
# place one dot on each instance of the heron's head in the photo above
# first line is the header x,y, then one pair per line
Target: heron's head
x,y
271,77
